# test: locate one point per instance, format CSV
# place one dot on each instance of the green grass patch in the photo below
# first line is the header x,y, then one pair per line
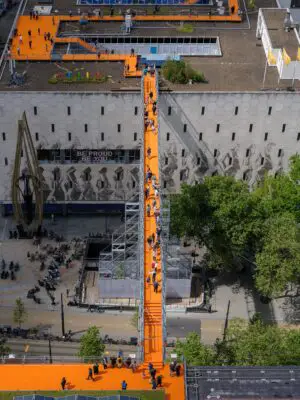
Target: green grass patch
x,y
141,394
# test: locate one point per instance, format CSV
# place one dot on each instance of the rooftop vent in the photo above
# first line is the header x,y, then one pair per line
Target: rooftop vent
x,y
287,23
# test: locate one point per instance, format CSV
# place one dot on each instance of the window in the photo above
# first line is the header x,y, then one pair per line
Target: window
x,y
56,175
236,111
244,176
169,110
118,176
215,152
119,127
102,110
198,160
247,152
270,111
22,153
202,110
283,128
133,184
184,128
136,110
182,152
218,128
52,127
5,161
266,136
250,127
233,136
200,136
86,176
230,161
35,110
262,160
102,184
298,136
181,175
168,136
102,136
70,184
69,136
135,136
3,136
85,127
166,161
36,136
196,182
69,110
165,184
279,152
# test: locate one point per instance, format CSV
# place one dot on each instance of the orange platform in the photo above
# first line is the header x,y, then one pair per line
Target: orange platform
x,y
48,377
153,331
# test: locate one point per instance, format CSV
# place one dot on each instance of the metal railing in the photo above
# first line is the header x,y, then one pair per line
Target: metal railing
x,y
3,57
163,246
141,233
45,359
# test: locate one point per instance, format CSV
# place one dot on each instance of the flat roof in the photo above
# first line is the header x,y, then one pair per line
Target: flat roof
x,y
241,67
279,37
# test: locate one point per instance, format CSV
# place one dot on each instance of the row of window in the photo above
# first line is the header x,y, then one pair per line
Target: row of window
x,y
218,127
35,110
236,110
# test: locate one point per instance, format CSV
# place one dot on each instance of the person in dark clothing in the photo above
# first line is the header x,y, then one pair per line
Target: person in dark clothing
x,y
96,368
155,286
159,381
104,362
113,361
90,375
63,383
177,369
29,33
30,44
124,385
153,373
154,385
150,366
154,277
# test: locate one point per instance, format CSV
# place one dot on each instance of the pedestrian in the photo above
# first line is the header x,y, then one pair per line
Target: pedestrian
x,y
104,362
153,383
177,369
51,41
134,366
148,210
29,33
150,366
18,51
153,373
149,152
124,385
48,35
119,362
46,46
21,39
159,381
132,52
155,286
96,368
68,291
30,44
153,279
39,31
90,375
53,21
63,383
45,36
70,13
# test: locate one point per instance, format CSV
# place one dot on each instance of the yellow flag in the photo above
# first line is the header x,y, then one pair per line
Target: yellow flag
x,y
286,57
271,58
298,54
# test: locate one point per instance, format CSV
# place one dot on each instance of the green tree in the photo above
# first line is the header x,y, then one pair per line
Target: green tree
x,y
20,313
91,344
278,263
194,352
4,349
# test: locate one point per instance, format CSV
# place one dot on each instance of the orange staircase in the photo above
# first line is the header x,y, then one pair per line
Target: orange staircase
x,y
153,302
81,42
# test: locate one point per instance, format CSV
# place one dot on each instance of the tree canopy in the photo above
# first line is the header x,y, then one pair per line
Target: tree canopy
x,y
20,313
91,344
235,223
246,344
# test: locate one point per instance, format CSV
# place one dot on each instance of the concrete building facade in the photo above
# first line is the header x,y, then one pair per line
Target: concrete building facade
x,y
201,133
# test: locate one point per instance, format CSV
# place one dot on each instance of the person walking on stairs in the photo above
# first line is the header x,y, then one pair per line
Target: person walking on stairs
x,y
155,286
63,383
124,385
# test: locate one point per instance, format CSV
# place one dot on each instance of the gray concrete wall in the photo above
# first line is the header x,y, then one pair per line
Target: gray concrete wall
x,y
184,157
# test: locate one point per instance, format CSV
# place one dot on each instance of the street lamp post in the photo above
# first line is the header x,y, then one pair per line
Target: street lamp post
x,y
62,315
50,352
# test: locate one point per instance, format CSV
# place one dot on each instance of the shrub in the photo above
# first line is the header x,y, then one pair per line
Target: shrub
x,y
181,72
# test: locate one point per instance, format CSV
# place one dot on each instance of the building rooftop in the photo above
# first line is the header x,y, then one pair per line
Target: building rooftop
x,y
279,37
240,68
243,382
